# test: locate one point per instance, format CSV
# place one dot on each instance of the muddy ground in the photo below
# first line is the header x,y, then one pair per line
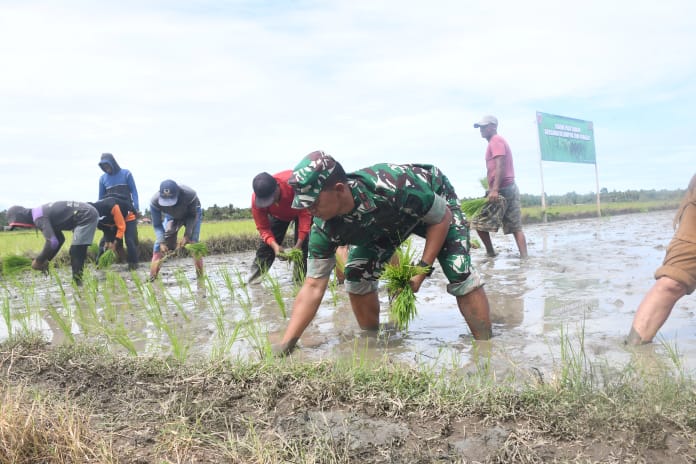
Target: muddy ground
x,y
153,412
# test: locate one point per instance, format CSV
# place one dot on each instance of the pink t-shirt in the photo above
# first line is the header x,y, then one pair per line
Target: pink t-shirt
x,y
497,146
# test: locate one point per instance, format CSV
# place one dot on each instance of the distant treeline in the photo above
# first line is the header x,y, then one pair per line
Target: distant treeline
x,y
573,198
230,212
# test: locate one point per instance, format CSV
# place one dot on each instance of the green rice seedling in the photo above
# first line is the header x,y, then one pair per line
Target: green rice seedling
x,y
277,291
333,289
340,264
182,280
153,309
227,279
179,349
243,296
7,314
197,250
397,277
295,259
293,255
216,307
29,299
472,208
224,344
64,323
120,336
484,182
106,259
14,264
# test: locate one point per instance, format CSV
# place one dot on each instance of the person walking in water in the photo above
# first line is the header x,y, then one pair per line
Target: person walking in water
x,y
503,208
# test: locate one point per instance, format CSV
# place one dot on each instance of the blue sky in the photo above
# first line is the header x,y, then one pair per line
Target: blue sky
x,y
209,93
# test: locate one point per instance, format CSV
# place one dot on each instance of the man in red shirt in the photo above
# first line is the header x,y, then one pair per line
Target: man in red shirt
x,y
503,208
271,206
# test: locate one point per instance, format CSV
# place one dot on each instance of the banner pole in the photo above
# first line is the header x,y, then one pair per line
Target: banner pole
x,y
596,173
541,171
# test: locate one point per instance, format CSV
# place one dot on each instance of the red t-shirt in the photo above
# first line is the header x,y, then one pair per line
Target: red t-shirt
x,y
497,146
281,210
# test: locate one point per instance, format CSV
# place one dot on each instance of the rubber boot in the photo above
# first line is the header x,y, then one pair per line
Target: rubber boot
x,y
78,254
254,274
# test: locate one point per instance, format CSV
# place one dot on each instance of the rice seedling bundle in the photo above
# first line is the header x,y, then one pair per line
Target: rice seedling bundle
x,y
198,250
106,259
293,255
13,264
340,263
471,208
397,277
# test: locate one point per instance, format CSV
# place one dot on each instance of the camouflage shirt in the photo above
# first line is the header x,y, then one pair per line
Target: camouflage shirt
x,y
392,201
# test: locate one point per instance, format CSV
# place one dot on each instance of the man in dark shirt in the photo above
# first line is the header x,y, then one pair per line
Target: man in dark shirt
x,y
172,207
113,223
54,218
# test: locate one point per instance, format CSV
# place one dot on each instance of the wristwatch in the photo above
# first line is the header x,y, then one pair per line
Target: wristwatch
x,y
429,267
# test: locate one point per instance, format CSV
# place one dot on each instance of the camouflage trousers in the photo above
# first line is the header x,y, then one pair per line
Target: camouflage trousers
x,y
366,263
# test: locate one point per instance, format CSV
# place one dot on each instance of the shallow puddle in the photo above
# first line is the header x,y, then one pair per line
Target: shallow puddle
x,y
582,281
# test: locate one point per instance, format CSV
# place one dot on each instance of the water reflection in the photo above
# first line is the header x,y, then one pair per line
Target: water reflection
x,y
585,276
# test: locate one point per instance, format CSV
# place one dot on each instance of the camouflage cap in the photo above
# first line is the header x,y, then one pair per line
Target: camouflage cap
x,y
309,176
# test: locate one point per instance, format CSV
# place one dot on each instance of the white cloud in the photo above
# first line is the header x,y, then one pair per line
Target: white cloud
x,y
210,93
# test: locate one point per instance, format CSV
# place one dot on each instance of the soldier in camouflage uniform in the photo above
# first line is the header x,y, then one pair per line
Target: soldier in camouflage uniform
x,y
375,210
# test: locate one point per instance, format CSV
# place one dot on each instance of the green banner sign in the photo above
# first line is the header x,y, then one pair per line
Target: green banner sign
x,y
566,139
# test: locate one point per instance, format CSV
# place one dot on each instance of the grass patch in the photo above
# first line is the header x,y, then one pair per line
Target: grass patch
x,y
159,410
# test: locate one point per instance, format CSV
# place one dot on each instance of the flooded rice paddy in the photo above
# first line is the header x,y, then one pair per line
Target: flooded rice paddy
x,y
582,282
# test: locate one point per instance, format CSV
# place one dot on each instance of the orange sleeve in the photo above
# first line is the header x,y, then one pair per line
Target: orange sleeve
x,y
119,221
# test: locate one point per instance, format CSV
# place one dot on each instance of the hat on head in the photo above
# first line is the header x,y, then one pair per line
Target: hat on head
x,y
486,120
265,188
19,216
168,193
309,176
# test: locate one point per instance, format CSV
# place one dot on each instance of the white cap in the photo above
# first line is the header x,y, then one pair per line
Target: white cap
x,y
486,120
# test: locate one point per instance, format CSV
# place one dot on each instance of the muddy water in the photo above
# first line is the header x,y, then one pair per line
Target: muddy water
x,y
583,279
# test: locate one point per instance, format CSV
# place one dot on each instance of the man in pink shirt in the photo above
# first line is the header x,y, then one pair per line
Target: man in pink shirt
x,y
271,206
503,208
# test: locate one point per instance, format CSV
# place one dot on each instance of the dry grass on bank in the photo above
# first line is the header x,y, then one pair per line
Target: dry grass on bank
x,y
85,405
